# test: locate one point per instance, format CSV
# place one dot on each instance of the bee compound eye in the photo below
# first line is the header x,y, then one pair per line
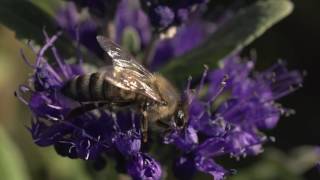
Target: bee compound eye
x,y
180,114
180,119
146,105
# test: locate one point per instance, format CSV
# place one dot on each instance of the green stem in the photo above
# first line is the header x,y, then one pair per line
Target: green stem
x,y
149,53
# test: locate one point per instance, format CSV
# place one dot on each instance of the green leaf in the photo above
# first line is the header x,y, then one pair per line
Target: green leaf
x,y
246,25
278,165
303,158
11,161
63,168
49,6
28,21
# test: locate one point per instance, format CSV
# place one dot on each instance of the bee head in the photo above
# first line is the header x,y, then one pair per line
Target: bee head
x,y
163,103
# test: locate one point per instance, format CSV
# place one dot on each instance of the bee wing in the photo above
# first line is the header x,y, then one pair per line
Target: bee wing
x,y
122,59
131,81
126,73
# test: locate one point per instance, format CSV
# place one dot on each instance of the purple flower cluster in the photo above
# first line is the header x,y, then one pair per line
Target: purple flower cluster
x,y
161,14
228,121
166,13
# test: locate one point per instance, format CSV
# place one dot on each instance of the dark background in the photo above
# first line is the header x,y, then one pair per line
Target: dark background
x,y
296,40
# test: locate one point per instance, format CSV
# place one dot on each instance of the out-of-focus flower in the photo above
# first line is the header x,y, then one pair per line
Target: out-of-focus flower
x,y
130,17
163,14
186,38
82,29
134,19
99,8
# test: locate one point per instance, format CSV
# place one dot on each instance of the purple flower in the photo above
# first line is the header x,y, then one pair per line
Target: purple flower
x,y
161,16
128,143
184,167
253,96
143,167
243,142
207,165
186,139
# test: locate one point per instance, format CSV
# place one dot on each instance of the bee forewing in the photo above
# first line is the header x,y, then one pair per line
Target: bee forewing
x,y
127,73
120,57
112,49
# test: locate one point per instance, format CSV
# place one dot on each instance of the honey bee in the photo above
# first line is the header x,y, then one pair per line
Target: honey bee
x,y
128,83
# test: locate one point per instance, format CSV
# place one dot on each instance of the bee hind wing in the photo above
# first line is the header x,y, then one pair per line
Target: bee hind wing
x,y
131,81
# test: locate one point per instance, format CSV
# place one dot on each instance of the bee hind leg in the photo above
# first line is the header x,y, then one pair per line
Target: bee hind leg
x,y
144,128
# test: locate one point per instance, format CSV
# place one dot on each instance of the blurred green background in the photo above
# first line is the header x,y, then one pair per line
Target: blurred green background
x,y
292,156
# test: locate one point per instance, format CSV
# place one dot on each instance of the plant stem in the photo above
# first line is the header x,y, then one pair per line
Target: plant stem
x,y
149,53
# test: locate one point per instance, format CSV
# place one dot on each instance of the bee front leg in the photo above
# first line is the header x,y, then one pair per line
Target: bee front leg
x,y
144,127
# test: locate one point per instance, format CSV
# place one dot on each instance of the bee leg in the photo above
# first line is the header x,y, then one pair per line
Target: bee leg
x,y
163,124
83,109
144,128
167,128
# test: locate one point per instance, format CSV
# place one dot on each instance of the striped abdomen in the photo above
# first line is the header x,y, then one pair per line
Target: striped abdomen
x,y
94,87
